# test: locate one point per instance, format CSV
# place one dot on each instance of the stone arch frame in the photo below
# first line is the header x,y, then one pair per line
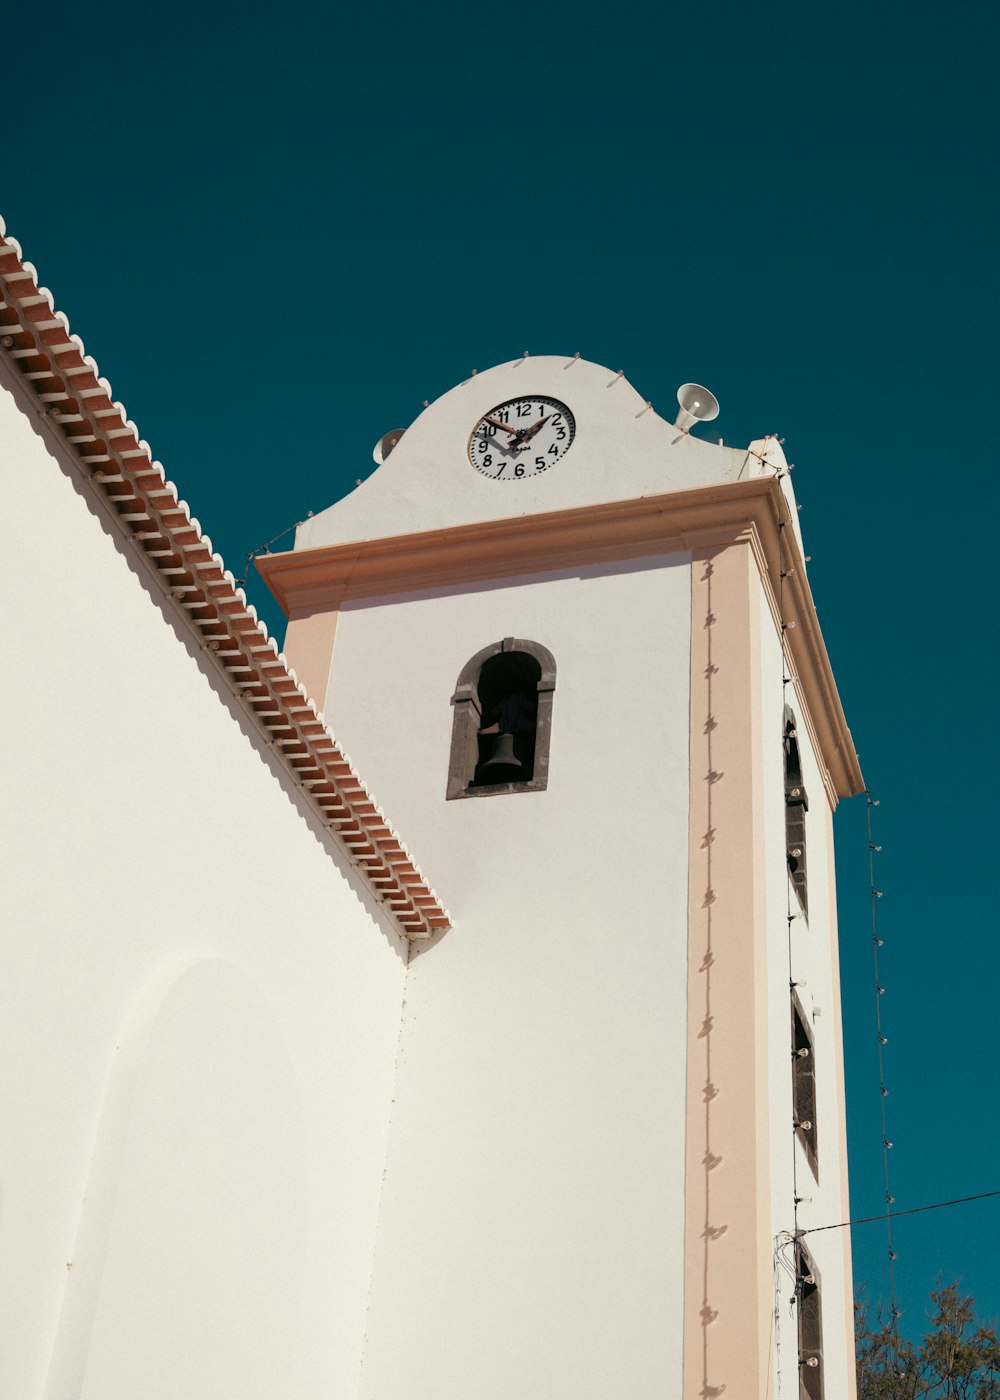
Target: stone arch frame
x,y
468,715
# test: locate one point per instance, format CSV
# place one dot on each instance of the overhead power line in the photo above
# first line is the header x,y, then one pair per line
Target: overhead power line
x,y
894,1214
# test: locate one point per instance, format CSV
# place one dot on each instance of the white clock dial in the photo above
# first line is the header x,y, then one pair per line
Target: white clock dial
x,y
521,438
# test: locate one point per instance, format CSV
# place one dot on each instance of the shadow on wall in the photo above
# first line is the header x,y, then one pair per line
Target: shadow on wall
x,y
712,1229
188,1265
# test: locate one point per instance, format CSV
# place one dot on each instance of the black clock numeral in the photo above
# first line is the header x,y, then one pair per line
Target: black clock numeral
x,y
500,472
541,463
556,419
518,469
524,410
554,450
488,460
489,430
560,433
502,415
483,445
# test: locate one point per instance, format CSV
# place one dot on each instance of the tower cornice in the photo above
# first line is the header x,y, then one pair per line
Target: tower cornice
x,y
753,513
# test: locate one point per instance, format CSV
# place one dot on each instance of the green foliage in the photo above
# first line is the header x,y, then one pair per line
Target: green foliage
x,y
957,1359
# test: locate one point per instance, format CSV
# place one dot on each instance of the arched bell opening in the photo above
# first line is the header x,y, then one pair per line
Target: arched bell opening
x,y
508,698
502,720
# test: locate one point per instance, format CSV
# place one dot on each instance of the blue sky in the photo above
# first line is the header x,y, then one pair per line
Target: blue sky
x,y
280,230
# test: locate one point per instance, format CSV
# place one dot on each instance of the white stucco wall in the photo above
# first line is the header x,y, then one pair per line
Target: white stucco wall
x,y
201,1005
531,1235
809,958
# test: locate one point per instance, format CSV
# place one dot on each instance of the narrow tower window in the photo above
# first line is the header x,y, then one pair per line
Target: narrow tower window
x,y
502,720
810,1326
804,1084
796,806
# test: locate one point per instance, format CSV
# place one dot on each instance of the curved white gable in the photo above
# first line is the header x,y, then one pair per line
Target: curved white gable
x,y
622,449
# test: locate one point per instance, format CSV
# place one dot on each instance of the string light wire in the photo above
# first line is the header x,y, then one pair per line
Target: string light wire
x,y
789,915
785,1242
781,1264
265,548
877,943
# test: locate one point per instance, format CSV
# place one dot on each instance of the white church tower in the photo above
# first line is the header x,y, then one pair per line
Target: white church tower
x,y
573,650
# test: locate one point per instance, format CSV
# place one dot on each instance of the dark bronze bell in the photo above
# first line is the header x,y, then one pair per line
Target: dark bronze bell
x,y
502,763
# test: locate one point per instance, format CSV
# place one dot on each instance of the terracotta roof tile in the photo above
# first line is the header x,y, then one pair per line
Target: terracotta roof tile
x,y
54,364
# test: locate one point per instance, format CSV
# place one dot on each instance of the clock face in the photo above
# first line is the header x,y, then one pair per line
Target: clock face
x,y
521,438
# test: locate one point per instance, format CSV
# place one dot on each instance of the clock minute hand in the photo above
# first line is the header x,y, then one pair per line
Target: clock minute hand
x,y
530,432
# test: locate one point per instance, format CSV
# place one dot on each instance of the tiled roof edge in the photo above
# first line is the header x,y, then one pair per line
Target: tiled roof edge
x,y
37,341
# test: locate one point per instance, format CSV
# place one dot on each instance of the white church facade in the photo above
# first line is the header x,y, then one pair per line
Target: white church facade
x,y
288,1117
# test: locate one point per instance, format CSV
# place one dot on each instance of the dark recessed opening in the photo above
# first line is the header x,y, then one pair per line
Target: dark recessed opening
x,y
796,807
502,723
804,1086
508,696
810,1327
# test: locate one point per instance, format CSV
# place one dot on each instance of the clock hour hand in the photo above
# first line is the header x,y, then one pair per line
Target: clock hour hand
x,y
524,435
497,424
